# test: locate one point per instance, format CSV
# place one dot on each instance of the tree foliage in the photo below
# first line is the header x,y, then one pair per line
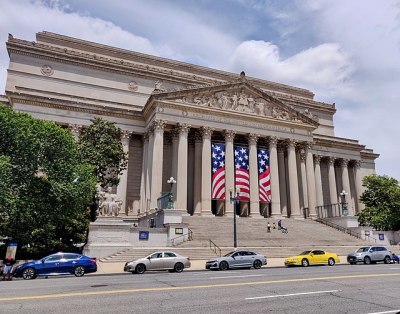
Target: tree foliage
x,y
382,203
100,145
45,189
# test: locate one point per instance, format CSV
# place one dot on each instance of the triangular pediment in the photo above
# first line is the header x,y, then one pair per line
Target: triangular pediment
x,y
238,96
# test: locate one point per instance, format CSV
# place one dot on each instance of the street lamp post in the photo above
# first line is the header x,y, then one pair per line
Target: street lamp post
x,y
235,200
345,211
171,181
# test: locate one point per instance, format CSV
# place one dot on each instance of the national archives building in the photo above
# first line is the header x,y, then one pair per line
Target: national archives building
x,y
173,114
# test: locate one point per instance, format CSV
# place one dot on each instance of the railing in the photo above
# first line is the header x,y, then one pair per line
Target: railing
x,y
345,230
182,238
162,201
215,248
331,210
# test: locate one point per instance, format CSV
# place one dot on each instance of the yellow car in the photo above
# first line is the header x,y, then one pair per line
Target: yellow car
x,y
314,257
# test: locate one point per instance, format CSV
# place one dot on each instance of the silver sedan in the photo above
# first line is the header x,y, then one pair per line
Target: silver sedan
x,y
238,259
170,261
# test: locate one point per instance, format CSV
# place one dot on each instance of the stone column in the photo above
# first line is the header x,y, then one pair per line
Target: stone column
x,y
346,184
181,178
123,177
274,177
304,177
282,180
293,181
197,173
75,129
206,170
149,169
318,180
358,184
143,180
311,188
253,173
229,168
174,161
157,164
332,181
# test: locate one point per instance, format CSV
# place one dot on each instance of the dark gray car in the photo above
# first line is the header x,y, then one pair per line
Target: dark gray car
x,y
370,254
238,259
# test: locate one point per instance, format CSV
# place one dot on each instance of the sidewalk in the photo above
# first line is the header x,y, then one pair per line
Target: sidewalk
x,y
197,265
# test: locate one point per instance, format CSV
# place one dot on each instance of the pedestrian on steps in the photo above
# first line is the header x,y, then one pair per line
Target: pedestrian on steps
x,y
268,227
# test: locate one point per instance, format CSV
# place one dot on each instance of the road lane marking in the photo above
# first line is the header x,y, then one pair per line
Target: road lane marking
x,y
243,276
225,285
387,312
291,294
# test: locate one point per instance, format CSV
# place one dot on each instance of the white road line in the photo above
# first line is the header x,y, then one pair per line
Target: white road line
x,y
397,268
292,294
387,312
228,277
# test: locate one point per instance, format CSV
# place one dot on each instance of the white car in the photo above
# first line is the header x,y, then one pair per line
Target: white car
x,y
167,260
239,259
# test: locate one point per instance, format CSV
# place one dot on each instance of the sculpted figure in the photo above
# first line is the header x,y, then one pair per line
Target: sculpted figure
x,y
234,101
109,203
225,101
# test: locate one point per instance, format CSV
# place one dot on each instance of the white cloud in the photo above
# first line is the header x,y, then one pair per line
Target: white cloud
x,y
325,67
52,17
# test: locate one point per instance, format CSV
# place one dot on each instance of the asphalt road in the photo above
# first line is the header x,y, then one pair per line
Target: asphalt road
x,y
316,289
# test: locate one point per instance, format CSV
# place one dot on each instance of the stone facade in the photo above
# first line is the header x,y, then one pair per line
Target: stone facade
x,y
171,112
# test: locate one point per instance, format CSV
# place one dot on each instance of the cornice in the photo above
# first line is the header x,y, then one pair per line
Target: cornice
x,y
56,103
77,99
89,55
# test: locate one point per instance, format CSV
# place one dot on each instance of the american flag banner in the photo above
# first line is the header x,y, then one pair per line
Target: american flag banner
x,y
264,181
218,171
242,178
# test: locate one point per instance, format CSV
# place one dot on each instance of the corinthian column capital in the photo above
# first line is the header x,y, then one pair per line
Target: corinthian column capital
x,y
253,138
206,131
184,127
229,135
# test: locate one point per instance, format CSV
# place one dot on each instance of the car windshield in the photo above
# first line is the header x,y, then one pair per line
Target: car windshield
x,y
363,249
229,254
305,253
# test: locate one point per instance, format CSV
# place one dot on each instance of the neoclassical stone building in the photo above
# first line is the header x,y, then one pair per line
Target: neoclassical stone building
x,y
172,112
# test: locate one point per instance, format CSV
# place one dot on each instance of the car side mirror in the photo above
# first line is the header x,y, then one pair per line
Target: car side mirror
x,y
42,261
149,257
311,254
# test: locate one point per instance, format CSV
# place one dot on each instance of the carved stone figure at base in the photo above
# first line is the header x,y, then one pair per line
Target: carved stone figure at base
x,y
108,202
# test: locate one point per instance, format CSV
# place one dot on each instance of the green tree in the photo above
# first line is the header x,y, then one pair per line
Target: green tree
x,y
100,145
382,203
47,188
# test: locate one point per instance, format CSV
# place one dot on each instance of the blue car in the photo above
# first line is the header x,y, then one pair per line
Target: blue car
x,y
57,264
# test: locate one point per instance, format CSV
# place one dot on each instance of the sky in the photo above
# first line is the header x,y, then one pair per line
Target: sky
x,y
345,51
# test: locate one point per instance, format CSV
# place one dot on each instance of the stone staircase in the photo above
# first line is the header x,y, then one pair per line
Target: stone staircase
x,y
252,234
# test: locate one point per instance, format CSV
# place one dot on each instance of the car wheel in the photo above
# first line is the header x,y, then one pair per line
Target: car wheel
x,y
331,261
140,269
223,265
367,260
79,271
305,262
29,273
257,264
387,260
178,268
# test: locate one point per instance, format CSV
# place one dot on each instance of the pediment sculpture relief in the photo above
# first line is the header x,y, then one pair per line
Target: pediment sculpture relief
x,y
240,102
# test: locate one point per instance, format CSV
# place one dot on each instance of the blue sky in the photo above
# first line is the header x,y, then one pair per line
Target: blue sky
x,y
345,51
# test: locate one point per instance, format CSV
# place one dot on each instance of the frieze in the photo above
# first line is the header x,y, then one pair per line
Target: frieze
x,y
254,125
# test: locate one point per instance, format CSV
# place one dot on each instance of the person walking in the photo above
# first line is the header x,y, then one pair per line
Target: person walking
x,y
268,227
273,225
8,263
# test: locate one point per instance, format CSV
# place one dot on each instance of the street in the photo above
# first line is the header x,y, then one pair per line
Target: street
x,y
316,289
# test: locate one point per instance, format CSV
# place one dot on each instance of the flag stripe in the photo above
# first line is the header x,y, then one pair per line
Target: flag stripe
x,y
264,181
218,171
242,178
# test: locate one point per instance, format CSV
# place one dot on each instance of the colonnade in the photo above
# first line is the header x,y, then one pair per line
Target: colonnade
x,y
293,186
